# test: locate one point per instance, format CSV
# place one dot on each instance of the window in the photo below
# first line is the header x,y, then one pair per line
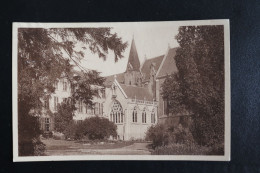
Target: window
x,y
143,116
56,84
47,124
56,102
135,115
165,107
101,108
89,109
96,111
64,86
46,103
153,117
116,114
79,121
103,93
80,106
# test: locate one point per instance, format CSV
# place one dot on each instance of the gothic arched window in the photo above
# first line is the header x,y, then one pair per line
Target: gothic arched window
x,y
144,116
153,117
135,115
116,114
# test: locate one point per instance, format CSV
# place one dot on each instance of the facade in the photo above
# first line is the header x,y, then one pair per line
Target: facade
x,y
131,100
150,75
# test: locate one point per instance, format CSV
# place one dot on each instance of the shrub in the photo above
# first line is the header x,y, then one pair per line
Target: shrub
x,y
158,135
98,128
94,128
162,135
39,147
70,131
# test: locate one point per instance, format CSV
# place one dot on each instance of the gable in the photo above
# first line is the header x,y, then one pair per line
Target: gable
x,y
147,65
168,65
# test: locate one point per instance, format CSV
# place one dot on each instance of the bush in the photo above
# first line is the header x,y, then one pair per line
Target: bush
x,y
98,128
162,135
71,131
158,135
58,136
94,128
39,147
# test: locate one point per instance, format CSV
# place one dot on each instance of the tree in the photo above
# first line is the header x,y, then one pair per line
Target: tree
x,y
199,84
64,116
171,91
46,54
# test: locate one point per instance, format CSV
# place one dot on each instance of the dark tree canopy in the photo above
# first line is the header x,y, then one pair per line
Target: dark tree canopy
x,y
199,84
45,55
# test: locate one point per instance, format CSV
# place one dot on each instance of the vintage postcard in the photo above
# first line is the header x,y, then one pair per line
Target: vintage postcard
x,y
121,91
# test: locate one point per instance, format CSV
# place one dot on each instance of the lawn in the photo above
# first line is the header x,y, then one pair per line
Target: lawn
x,y
52,144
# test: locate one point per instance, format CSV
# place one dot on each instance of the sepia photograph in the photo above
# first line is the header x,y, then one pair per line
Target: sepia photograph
x,y
121,91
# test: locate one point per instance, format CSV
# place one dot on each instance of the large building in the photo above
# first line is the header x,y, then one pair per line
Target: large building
x,y
132,99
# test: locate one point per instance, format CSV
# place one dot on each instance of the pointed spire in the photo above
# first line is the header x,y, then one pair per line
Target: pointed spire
x,y
133,60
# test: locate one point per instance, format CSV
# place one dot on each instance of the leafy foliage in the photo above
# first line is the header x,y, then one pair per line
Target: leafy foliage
x,y
64,116
158,135
171,91
94,128
199,84
44,55
162,135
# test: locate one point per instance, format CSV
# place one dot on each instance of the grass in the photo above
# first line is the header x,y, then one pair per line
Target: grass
x,y
181,149
52,144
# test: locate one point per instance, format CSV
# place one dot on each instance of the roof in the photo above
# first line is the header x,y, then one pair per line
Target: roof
x,y
133,60
110,79
168,65
147,65
139,93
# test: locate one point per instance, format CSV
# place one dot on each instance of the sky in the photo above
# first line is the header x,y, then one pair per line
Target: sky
x,y
151,39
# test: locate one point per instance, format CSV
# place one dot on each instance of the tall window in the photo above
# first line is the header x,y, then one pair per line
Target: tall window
x,y
56,102
153,117
47,124
46,103
56,84
116,114
80,106
103,93
165,107
144,116
134,115
96,111
64,85
101,108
